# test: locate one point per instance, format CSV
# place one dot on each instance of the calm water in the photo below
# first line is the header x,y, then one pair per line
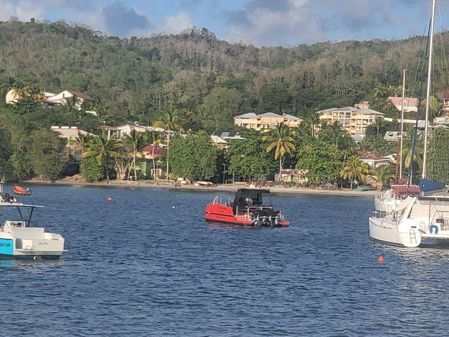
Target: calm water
x,y
146,264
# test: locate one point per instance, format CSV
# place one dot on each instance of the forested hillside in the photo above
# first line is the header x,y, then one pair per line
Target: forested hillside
x,y
207,81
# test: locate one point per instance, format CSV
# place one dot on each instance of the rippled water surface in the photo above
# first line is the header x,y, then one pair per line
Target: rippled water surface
x,y
146,264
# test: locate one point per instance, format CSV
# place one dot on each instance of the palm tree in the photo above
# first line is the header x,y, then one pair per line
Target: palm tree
x,y
281,142
101,148
312,120
408,149
170,122
354,169
155,141
381,176
136,140
82,141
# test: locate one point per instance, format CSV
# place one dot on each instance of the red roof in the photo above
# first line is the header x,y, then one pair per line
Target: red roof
x,y
408,101
444,94
148,149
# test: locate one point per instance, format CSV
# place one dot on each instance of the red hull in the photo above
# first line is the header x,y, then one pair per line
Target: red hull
x,y
224,213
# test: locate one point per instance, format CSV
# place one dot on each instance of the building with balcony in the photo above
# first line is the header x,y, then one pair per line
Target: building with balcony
x,y
266,121
351,119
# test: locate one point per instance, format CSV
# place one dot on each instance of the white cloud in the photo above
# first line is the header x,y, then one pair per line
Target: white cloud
x,y
7,10
273,26
24,10
175,24
287,22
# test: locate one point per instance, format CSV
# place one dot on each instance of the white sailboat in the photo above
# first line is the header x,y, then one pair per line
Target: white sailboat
x,y
407,215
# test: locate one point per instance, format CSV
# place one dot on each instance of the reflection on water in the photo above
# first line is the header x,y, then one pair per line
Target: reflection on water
x,y
28,263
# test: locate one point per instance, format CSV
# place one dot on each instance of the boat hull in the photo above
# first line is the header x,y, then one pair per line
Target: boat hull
x,y
29,243
21,191
405,233
225,214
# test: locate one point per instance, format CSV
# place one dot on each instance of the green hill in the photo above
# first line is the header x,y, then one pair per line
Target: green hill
x,y
207,80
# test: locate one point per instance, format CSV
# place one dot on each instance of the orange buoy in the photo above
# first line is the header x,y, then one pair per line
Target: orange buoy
x,y
380,259
109,198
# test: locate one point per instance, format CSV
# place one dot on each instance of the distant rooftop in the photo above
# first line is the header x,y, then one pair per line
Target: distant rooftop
x,y
352,109
250,115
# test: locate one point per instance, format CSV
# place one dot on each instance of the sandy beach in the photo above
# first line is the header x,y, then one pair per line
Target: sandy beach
x,y
219,188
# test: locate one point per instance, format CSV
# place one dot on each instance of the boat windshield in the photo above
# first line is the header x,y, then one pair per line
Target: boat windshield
x,y
18,212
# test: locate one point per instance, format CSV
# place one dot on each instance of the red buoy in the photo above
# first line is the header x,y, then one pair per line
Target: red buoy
x,y
380,259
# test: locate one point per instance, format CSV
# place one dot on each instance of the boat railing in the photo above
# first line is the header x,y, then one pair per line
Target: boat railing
x,y
217,200
379,214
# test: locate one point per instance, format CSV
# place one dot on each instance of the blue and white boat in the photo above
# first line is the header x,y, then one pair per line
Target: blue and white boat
x,y
19,240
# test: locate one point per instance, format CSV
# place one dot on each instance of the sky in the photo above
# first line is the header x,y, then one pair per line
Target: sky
x,y
259,22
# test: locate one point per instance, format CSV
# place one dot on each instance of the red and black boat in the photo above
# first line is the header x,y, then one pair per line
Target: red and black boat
x,y
247,209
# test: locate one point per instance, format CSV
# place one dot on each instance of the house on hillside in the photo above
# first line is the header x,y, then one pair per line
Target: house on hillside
x,y
265,121
66,96
119,132
148,155
393,136
70,134
374,161
228,137
350,118
410,103
218,142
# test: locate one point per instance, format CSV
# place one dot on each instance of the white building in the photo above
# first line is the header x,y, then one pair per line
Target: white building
x,y
63,98
266,121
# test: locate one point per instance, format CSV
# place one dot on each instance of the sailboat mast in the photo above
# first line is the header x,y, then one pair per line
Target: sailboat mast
x,y
402,124
429,82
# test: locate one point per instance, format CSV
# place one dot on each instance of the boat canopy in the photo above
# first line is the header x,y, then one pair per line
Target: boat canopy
x,y
427,185
19,204
249,196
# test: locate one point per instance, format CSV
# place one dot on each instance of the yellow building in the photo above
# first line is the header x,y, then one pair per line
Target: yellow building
x,y
265,121
351,119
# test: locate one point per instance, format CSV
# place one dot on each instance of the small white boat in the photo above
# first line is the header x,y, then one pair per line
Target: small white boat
x,y
19,240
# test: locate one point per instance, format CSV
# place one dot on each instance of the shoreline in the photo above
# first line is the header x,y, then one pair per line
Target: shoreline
x,y
216,188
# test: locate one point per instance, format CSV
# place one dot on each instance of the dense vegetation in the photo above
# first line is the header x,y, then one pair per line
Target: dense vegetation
x,y
206,79
202,81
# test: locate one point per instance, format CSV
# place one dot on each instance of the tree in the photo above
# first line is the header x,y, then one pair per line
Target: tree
x,y
281,142
102,149
44,153
170,122
354,169
194,157
378,128
435,107
219,107
438,156
334,133
381,176
155,141
310,122
5,153
407,150
319,159
90,169
135,140
249,158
